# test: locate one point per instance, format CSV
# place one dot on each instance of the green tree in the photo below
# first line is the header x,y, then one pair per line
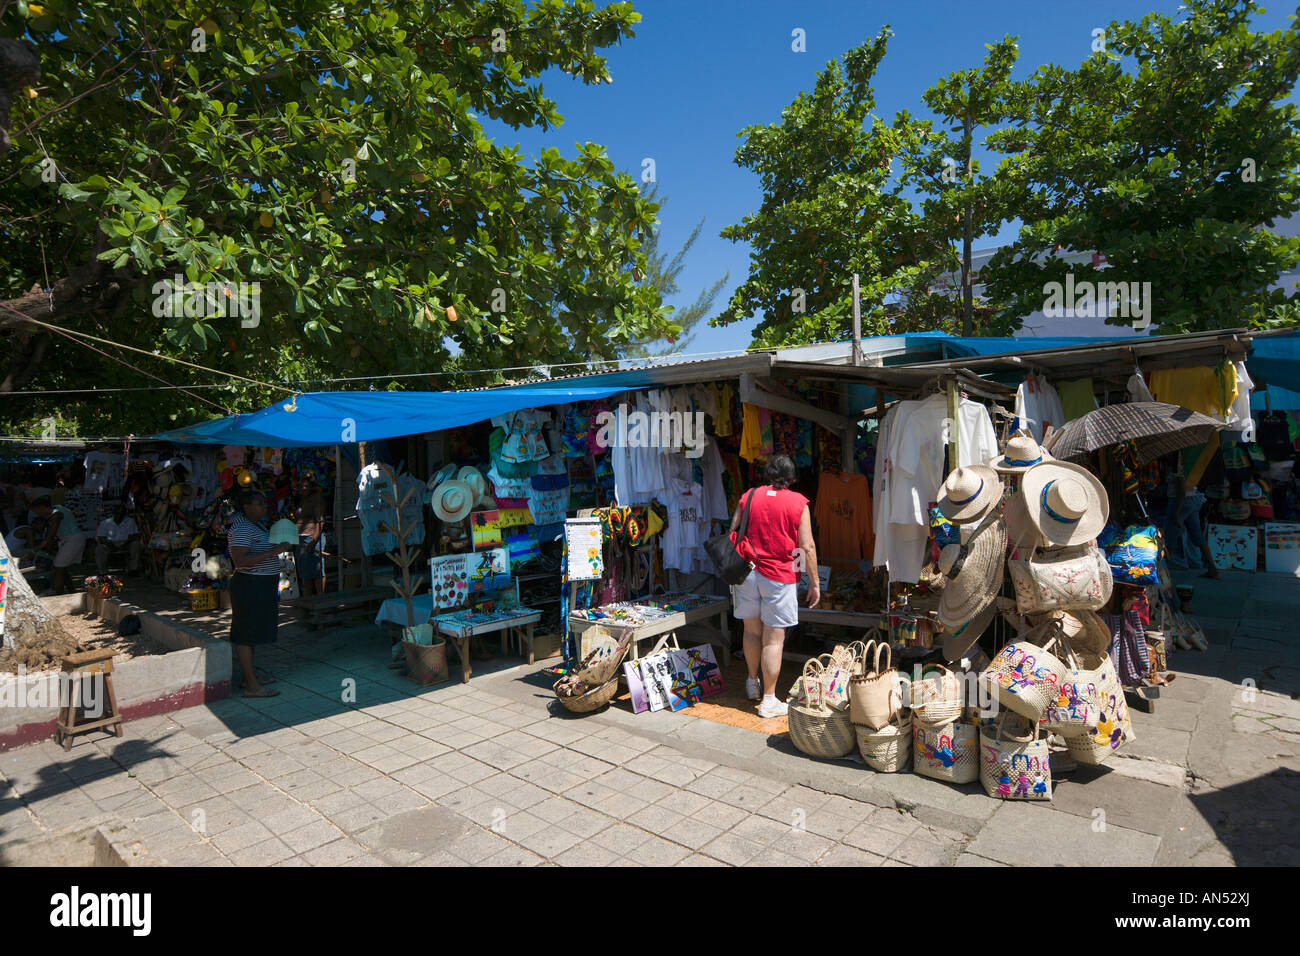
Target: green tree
x,y
963,205
661,272
1170,150
831,207
330,151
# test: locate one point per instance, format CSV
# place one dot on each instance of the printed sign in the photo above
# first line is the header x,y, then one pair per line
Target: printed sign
x,y
584,544
1281,547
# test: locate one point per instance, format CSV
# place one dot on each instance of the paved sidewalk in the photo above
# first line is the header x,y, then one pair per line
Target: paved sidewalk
x,y
493,772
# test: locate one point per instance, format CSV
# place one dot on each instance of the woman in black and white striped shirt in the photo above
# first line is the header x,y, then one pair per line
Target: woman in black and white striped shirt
x,y
254,589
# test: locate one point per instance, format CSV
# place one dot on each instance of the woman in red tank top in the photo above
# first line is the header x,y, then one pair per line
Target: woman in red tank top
x,y
780,542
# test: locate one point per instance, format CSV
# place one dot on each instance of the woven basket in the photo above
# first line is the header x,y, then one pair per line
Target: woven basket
x,y
948,753
1114,728
937,701
592,700
821,733
1023,676
888,750
876,696
602,664
1015,767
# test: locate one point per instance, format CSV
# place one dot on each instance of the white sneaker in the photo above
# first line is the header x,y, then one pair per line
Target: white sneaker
x,y
774,709
753,688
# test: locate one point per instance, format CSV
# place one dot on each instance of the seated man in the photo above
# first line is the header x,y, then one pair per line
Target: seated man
x,y
115,535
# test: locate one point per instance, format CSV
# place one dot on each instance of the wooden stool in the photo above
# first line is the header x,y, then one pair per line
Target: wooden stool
x,y
78,667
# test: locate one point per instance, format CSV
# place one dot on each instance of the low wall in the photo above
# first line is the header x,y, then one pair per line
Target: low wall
x,y
196,670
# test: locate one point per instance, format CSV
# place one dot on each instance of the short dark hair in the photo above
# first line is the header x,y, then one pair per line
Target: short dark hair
x,y
779,472
247,496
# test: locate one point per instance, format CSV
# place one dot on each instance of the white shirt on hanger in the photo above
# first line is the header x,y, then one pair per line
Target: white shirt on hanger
x,y
1038,404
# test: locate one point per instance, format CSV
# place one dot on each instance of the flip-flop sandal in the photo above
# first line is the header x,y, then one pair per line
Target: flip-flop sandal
x,y
264,692
264,678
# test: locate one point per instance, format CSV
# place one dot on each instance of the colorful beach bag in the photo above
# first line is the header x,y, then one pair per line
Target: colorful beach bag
x,y
948,752
1132,554
1024,676
1114,728
1015,764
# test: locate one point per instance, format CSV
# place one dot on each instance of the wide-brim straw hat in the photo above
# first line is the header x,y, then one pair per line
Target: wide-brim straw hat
x,y
444,473
1084,630
958,642
452,500
477,484
1065,502
1019,454
978,572
969,492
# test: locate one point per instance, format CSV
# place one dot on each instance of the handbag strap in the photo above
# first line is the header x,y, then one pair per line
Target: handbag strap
x,y
743,528
889,657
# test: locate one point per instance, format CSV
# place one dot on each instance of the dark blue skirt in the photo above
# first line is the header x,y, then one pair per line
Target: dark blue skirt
x,y
254,608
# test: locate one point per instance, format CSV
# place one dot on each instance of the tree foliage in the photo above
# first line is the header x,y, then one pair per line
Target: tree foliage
x,y
331,152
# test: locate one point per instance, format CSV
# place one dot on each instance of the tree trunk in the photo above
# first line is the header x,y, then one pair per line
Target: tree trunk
x,y
27,623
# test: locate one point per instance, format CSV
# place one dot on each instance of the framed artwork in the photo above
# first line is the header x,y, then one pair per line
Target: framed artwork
x,y
1282,547
486,529
1232,546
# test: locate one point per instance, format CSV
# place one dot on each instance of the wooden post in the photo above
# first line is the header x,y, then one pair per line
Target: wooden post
x,y
954,403
338,517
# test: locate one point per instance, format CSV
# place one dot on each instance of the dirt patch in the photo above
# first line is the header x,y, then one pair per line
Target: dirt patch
x,y
88,632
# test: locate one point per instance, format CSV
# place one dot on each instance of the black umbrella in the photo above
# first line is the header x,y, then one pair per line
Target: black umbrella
x,y
1155,428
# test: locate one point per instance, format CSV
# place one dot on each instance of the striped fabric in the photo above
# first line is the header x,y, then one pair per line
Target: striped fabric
x,y
244,534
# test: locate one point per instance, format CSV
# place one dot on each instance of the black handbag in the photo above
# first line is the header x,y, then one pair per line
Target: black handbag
x,y
732,568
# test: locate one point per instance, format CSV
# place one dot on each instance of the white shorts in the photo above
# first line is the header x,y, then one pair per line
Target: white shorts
x,y
70,550
774,602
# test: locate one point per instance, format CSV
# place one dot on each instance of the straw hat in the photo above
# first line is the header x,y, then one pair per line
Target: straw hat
x,y
472,477
1085,630
1020,453
975,570
283,531
442,474
452,500
969,492
1065,502
956,643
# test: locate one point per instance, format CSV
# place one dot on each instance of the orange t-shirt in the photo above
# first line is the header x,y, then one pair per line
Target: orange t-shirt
x,y
843,513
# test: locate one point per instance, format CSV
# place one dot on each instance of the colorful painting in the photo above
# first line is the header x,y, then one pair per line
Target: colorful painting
x,y
1282,547
673,678
1232,547
4,585
486,528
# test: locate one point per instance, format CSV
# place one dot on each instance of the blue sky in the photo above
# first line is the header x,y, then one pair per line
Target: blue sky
x,y
699,71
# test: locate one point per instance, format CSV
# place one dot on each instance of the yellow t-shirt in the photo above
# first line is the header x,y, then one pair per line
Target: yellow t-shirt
x,y
1210,391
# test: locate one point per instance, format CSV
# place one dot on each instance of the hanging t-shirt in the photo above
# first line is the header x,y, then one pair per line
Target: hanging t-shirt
x,y
715,496
548,498
1199,388
104,473
1239,419
751,435
687,528
844,520
1038,405
726,409
1077,398
523,441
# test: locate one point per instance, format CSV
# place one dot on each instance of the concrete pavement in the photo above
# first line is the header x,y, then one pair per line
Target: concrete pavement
x,y
354,765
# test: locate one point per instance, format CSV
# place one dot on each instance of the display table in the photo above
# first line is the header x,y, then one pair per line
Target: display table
x,y
651,618
393,611
460,626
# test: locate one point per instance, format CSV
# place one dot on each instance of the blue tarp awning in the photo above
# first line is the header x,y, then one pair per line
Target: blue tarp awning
x,y
334,418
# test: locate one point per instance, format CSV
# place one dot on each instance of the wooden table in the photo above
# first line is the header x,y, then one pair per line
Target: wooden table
x,y
459,634
665,628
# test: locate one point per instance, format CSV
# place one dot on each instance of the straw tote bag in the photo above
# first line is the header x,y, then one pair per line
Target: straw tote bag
x,y
1015,766
889,749
948,752
938,698
1061,579
1114,728
816,728
1023,676
876,697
